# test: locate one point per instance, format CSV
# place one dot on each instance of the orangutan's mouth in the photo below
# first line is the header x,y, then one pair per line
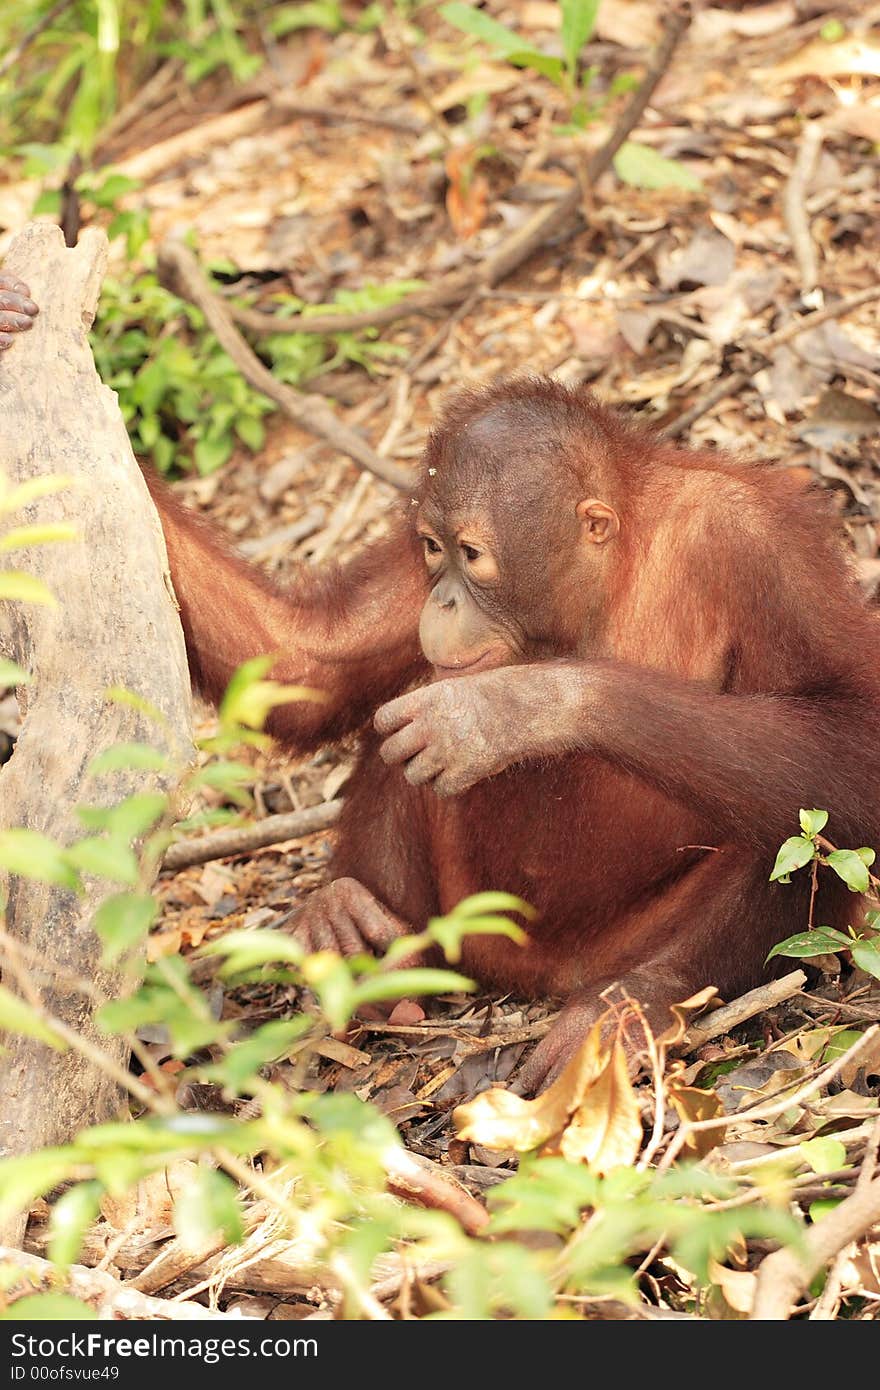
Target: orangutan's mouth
x,y
486,661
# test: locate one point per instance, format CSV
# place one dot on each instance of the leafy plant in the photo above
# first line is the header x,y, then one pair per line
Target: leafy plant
x,y
634,163
181,395
810,848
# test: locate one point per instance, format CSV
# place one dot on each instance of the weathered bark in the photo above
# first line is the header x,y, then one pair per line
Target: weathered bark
x,y
115,625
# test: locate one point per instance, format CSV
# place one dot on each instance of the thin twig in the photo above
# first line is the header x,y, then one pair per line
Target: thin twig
x,y
794,210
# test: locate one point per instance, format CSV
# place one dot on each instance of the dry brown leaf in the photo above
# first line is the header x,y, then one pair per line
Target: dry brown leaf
x,y
150,1205
850,57
676,1031
487,78
737,1286
467,195
692,1104
862,1269
862,119
606,1129
712,25
500,1120
629,23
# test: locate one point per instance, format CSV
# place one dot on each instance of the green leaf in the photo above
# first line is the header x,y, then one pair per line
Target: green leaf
x,y
866,955
105,857
269,1043
479,904
21,536
251,432
13,674
839,1044
819,941
643,167
867,855
33,855
71,1217
813,822
449,932
825,1154
399,983
211,454
129,819
25,588
17,1016
849,866
122,922
794,854
223,774
24,1179
246,949
209,1206
139,756
578,22
32,490
482,26
543,63
48,1307
119,695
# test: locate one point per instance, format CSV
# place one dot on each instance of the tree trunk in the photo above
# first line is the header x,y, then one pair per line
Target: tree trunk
x,y
115,624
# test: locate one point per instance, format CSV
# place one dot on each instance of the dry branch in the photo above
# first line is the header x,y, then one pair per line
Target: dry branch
x,y
739,1010
115,624
112,1299
310,412
273,830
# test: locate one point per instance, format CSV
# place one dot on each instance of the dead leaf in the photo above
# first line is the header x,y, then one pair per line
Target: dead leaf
x,y
737,1286
606,1129
486,78
150,1205
712,25
593,337
406,1011
500,1120
863,120
839,418
467,194
692,1104
850,57
676,1031
862,1270
707,259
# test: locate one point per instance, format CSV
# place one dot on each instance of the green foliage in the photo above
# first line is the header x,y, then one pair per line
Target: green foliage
x,y
181,395
96,54
634,163
850,865
643,167
48,1307
793,854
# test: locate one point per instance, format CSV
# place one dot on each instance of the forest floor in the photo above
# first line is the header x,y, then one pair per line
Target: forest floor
x,y
650,298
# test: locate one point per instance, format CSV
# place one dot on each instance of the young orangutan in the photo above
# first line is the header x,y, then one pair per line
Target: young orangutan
x,y
637,663
603,673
